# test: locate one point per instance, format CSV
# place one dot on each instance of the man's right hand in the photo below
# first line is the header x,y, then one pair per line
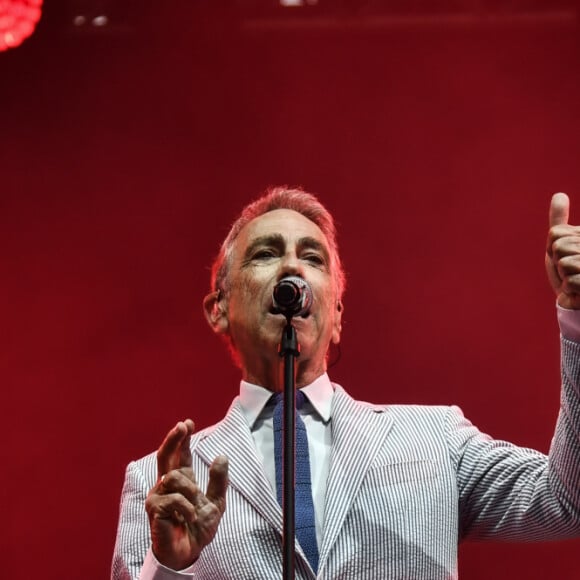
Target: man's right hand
x,y
183,520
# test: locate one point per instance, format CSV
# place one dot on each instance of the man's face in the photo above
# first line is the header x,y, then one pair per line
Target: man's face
x,y
280,243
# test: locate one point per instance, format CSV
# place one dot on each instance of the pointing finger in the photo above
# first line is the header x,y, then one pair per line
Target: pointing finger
x,y
185,459
559,209
174,451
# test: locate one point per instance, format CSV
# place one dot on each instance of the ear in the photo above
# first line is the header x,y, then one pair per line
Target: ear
x,y
337,325
215,311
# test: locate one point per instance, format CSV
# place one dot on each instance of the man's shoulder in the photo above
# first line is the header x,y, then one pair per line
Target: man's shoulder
x,y
400,410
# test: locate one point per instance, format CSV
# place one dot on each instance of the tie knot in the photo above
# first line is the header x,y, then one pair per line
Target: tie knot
x,y
300,399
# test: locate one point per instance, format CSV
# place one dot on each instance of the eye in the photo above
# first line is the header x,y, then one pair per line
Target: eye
x,y
316,259
264,254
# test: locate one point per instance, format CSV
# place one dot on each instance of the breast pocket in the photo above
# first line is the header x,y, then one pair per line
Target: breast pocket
x,y
419,471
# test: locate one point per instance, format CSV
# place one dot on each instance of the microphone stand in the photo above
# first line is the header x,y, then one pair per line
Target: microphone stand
x,y
289,349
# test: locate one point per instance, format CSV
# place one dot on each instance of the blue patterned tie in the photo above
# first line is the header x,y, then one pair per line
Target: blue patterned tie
x,y
304,522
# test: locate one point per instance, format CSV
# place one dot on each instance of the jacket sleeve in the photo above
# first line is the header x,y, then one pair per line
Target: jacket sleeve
x,y
512,493
133,557
133,537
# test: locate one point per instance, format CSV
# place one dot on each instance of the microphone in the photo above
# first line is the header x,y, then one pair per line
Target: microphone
x,y
292,296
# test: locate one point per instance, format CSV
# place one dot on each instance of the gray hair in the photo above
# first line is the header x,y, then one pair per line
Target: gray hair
x,y
279,198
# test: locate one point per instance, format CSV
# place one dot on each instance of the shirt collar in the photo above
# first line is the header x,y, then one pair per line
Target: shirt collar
x,y
254,398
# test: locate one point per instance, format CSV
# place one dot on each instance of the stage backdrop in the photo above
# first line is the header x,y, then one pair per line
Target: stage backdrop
x,y
124,157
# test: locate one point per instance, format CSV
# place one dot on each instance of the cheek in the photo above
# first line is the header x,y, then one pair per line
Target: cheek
x,y
244,289
330,316
248,298
328,300
256,278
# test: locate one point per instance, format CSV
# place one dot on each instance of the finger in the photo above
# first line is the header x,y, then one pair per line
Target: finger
x,y
173,506
171,452
218,482
571,285
569,265
559,209
185,459
180,481
567,246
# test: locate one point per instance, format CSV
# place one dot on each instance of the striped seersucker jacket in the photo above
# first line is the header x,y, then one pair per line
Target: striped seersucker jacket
x,y
406,484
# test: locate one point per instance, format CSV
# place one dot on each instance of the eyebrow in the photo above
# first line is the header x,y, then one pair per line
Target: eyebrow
x,y
272,240
314,244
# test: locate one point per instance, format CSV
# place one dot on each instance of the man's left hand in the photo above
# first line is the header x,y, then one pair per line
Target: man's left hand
x,y
563,253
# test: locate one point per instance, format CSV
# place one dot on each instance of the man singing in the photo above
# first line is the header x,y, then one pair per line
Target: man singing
x,y
392,489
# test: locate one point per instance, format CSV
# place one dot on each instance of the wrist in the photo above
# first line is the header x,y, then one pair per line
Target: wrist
x,y
176,562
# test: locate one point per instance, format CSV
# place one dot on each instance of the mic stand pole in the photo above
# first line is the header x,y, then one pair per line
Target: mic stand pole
x,y
289,349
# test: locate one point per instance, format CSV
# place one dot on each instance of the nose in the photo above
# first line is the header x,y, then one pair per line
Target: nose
x,y
291,265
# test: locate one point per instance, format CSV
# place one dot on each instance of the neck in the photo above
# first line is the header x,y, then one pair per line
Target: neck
x,y
272,376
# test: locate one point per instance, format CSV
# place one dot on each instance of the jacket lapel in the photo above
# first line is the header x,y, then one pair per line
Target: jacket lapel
x,y
232,438
358,432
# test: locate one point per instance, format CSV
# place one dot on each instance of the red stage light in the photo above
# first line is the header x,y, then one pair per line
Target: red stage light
x,y
18,19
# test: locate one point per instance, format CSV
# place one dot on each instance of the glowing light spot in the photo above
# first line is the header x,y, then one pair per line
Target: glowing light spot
x,y
101,20
294,3
79,20
18,19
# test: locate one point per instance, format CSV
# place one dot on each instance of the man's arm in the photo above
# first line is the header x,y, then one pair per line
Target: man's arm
x,y
181,519
512,493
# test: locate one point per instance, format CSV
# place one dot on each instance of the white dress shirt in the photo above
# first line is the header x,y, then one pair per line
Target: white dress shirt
x,y
258,408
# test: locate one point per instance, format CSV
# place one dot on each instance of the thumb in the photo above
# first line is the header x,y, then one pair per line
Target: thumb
x,y
218,482
559,209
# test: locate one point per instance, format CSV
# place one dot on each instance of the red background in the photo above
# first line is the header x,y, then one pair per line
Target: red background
x,y
125,156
